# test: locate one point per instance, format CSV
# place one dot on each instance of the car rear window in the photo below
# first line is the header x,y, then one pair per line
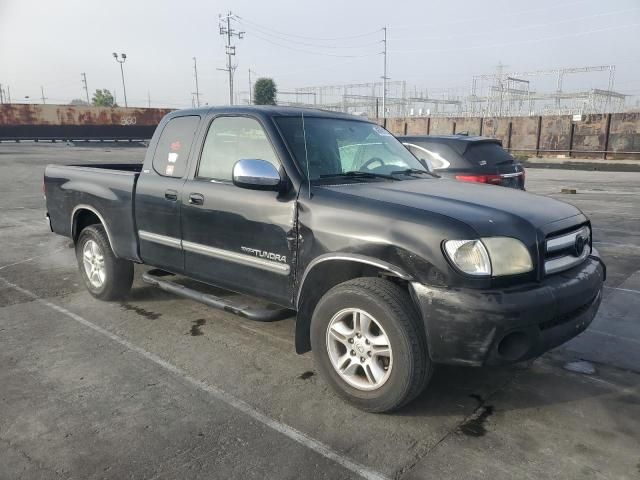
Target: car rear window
x,y
174,145
441,156
487,154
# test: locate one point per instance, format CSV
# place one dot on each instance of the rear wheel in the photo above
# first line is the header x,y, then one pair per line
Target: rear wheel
x,y
105,276
368,344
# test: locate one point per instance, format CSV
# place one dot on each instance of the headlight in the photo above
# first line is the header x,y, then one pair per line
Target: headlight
x,y
508,256
489,256
470,256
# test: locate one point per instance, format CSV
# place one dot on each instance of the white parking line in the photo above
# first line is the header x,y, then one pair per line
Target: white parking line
x,y
29,259
622,289
617,337
286,430
626,245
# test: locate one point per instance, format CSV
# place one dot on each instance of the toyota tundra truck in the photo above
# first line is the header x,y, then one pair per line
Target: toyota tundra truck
x,y
388,269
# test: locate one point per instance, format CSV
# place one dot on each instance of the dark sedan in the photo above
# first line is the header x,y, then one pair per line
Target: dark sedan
x,y
468,159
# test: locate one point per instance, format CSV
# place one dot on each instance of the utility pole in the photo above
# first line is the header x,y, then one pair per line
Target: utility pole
x,y
1,95
9,94
195,70
230,49
384,75
84,86
44,99
250,88
121,62
148,99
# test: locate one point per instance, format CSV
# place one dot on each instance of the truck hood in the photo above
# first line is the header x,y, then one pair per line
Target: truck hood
x,y
489,210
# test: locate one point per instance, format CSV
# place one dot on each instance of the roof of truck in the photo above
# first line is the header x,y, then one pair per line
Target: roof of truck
x,y
450,139
267,110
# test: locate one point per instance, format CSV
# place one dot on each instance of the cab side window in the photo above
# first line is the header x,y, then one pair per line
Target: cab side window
x,y
172,152
230,139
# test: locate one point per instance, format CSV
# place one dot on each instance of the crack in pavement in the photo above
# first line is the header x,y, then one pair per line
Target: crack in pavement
x,y
481,403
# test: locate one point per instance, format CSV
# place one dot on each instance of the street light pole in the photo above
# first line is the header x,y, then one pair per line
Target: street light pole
x,y
121,62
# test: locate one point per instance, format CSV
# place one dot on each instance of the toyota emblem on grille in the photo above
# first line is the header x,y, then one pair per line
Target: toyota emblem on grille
x,y
578,246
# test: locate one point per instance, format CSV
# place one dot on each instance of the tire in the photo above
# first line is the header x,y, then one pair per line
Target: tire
x,y
117,274
380,383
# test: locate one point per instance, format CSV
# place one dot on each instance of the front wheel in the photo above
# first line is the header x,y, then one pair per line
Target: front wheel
x,y
368,344
105,276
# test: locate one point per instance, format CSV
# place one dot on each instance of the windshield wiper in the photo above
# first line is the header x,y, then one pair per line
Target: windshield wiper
x,y
359,174
409,171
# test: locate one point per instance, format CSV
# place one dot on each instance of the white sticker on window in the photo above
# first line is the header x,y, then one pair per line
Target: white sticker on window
x,y
169,170
173,157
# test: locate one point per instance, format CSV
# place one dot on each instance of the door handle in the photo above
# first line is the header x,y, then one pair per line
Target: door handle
x,y
171,195
196,199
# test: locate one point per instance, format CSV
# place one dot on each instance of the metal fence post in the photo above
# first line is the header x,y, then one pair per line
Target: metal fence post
x,y
607,132
538,135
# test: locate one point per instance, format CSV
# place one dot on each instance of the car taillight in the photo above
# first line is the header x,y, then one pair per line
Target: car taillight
x,y
490,179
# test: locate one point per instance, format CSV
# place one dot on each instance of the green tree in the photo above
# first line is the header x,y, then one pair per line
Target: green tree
x,y
264,92
103,98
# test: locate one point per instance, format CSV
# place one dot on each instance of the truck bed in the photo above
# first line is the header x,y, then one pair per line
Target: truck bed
x,y
106,190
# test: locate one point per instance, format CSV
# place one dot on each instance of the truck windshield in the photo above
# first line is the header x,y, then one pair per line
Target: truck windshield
x,y
336,147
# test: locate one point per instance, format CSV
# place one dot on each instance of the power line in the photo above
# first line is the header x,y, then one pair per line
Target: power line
x,y
516,29
284,38
310,52
520,42
306,37
493,17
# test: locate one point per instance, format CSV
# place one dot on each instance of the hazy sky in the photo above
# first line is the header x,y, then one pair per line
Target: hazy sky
x,y
434,45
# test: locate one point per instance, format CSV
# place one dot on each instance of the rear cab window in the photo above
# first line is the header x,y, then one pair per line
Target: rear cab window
x,y
172,152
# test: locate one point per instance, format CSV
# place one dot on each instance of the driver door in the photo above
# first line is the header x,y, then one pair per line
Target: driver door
x,y
233,237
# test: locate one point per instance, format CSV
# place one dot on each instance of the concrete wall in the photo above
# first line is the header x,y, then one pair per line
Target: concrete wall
x,y
618,134
67,122
35,114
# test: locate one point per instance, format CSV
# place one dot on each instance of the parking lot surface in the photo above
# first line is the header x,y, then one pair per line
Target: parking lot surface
x,y
162,387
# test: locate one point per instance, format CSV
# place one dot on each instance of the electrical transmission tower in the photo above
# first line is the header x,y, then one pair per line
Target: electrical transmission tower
x,y
225,29
195,71
384,75
84,87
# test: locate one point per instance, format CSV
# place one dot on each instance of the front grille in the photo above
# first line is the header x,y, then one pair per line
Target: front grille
x,y
567,250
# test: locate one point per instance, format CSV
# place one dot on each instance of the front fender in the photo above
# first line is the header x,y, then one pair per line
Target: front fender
x,y
362,260
326,271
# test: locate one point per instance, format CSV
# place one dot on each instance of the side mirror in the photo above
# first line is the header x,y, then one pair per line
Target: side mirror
x,y
256,175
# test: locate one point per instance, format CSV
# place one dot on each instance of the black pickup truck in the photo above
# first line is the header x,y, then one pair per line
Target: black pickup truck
x,y
388,269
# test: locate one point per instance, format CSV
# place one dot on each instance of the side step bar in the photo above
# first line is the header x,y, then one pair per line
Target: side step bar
x,y
153,277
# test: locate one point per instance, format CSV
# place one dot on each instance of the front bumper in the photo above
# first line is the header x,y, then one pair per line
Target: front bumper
x,y
496,327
